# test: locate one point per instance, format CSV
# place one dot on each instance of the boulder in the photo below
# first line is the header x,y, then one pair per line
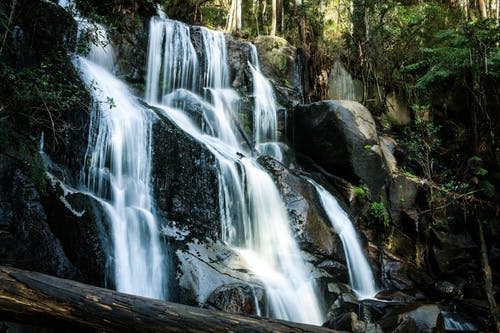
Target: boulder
x,y
415,318
206,269
341,137
240,298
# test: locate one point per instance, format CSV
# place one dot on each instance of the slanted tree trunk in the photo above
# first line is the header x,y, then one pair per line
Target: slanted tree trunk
x,y
39,299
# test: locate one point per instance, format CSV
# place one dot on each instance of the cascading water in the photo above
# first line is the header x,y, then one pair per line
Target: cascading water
x,y
254,220
265,115
178,68
118,175
360,274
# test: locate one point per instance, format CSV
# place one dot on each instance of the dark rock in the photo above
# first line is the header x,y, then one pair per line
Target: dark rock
x,y
400,274
346,321
311,226
394,296
342,138
447,289
239,57
43,28
454,254
415,318
26,240
240,298
184,181
337,271
80,223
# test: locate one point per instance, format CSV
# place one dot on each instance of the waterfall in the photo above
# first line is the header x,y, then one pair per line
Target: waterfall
x,y
178,67
117,174
254,221
360,274
265,113
342,85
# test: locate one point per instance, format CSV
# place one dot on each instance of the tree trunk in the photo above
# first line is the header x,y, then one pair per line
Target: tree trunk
x,y
39,299
488,279
483,9
273,18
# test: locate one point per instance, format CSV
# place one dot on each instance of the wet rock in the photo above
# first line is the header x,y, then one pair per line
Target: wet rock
x,y
239,56
26,240
311,226
394,296
205,267
341,137
240,298
184,181
80,223
415,318
336,270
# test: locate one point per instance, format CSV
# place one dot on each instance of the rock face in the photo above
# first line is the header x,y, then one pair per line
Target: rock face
x,y
341,137
25,237
278,62
310,225
184,180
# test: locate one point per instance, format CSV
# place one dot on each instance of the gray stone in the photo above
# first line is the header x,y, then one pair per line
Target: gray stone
x,y
415,318
341,137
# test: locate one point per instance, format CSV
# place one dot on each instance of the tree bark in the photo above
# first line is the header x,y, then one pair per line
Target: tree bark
x,y
39,299
483,9
273,18
488,278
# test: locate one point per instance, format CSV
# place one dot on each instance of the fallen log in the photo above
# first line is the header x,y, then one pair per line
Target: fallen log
x,y
39,299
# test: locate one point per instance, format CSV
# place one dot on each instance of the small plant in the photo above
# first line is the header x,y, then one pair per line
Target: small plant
x,y
378,216
359,192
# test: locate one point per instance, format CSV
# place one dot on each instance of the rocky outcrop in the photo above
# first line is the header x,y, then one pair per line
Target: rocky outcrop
x,y
341,137
309,223
184,181
26,240
278,62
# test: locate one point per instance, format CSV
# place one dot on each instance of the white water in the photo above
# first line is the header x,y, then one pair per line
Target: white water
x,y
265,113
118,175
254,220
454,322
360,274
172,59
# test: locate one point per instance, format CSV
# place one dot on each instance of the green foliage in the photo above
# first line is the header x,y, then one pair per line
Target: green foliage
x,y
359,192
378,216
421,140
